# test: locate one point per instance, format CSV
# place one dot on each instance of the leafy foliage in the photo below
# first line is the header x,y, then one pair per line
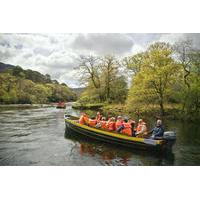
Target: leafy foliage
x,y
104,81
161,78
27,86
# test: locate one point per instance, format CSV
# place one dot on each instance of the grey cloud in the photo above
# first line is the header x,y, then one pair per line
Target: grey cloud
x,y
144,38
111,43
5,55
195,37
42,51
56,54
65,65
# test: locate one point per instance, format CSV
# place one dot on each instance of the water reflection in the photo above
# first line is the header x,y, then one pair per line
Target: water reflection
x,y
111,154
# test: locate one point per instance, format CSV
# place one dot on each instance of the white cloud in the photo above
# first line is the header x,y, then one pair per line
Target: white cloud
x,y
56,54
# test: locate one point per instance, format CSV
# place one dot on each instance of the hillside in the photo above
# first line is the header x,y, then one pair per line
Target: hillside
x,y
4,66
28,86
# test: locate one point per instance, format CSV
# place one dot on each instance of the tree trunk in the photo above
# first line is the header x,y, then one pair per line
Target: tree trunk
x,y
162,111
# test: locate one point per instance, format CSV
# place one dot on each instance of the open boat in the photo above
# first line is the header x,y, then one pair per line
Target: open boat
x,y
73,127
61,105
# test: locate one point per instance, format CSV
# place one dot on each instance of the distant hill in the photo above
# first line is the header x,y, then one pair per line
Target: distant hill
x,y
28,86
4,66
29,74
78,91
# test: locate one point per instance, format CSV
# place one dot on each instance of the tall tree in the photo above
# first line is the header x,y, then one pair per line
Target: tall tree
x,y
109,72
103,79
155,78
88,67
183,50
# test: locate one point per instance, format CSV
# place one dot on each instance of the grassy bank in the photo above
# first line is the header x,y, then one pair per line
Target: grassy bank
x,y
171,111
92,106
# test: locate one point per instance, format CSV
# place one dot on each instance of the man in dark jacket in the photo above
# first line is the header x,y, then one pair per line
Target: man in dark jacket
x,y
158,130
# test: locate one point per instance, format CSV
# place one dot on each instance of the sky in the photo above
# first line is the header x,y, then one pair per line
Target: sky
x,y
57,54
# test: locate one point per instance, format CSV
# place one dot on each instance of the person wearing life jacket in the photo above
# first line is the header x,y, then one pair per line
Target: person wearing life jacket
x,y
127,130
103,123
111,124
92,122
98,117
119,124
84,119
141,130
132,122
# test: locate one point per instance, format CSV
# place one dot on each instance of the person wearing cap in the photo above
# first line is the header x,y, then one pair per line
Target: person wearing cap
x,y
158,130
141,130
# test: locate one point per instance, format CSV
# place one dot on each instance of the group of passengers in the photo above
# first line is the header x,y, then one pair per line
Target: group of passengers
x,y
123,126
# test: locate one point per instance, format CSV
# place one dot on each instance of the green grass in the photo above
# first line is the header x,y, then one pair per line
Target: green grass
x,y
91,106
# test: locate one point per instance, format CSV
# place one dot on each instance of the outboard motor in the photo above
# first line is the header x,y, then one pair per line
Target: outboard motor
x,y
66,116
169,136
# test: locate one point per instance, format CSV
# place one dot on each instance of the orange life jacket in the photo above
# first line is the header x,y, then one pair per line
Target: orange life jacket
x,y
111,126
118,124
103,124
139,127
98,117
92,122
127,129
84,119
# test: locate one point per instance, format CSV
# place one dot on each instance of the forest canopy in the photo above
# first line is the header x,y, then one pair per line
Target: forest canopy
x,y
164,78
21,86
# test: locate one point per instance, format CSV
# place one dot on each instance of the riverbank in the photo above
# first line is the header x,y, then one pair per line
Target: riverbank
x,y
171,111
23,106
91,106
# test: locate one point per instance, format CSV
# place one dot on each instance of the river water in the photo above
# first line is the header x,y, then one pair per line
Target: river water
x,y
37,137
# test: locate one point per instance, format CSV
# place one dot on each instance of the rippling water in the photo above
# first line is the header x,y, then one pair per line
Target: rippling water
x,y
37,137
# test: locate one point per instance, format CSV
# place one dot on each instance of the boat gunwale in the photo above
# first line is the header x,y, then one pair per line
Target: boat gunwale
x,y
117,135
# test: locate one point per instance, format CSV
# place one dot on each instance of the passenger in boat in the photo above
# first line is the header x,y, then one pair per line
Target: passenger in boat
x,y
127,130
158,130
132,122
102,123
84,119
141,130
98,117
92,122
111,124
119,124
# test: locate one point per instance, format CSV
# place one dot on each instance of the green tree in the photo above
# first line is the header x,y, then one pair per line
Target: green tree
x,y
189,93
104,81
157,74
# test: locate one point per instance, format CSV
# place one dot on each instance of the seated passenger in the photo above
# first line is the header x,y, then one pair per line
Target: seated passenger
x,y
141,130
98,117
127,130
119,124
84,119
132,122
102,123
158,130
92,122
111,124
